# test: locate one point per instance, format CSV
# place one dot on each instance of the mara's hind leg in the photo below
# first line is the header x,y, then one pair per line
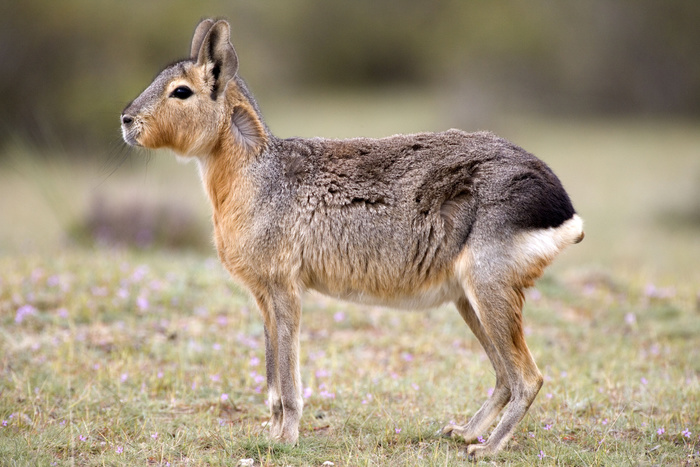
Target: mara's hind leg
x,y
498,307
488,412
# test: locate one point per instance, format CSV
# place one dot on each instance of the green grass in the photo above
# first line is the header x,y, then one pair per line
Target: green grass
x,y
118,357
102,352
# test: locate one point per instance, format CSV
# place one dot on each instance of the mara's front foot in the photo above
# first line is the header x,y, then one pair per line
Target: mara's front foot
x,y
276,418
285,429
288,435
292,408
283,433
275,425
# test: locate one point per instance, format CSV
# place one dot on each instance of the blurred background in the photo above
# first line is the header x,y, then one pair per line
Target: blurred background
x,y
605,91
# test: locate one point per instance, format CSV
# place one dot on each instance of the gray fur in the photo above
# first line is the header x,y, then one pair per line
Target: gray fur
x,y
406,205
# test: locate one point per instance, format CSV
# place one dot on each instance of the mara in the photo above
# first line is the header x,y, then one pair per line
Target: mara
x,y
408,221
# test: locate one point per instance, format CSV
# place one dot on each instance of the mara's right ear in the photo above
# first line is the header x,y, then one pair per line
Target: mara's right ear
x,y
202,29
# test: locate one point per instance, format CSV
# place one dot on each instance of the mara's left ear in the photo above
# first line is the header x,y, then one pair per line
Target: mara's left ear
x,y
216,50
198,38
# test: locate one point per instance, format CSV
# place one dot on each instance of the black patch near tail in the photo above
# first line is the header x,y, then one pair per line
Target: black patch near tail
x,y
540,198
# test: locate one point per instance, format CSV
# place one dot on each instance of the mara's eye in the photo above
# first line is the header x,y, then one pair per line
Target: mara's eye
x,y
181,92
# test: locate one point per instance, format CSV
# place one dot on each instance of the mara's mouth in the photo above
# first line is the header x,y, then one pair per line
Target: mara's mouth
x,y
130,135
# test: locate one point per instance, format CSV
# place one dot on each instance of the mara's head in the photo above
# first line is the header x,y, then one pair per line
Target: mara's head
x,y
195,103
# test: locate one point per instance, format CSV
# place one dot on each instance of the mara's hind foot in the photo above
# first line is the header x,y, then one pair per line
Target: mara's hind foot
x,y
474,451
451,431
480,451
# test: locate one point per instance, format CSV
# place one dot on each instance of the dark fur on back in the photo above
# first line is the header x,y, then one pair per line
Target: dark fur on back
x,y
405,203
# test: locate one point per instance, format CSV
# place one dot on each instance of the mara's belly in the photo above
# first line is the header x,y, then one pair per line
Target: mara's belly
x,y
419,297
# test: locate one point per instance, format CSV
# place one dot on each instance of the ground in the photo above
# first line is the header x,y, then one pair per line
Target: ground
x,y
114,356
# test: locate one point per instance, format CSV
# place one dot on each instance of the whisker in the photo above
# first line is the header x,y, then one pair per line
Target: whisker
x,y
118,154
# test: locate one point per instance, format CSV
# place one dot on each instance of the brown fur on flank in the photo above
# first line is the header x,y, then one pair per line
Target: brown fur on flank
x,y
408,221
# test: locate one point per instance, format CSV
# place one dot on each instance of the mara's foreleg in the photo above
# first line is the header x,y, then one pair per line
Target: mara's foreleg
x,y
274,394
281,312
488,412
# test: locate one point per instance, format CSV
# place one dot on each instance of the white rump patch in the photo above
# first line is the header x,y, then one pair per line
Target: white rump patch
x,y
545,244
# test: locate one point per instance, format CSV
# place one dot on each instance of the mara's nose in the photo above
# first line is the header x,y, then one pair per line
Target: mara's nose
x,y
127,119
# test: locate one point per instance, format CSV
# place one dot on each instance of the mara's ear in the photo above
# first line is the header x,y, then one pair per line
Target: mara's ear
x,y
216,50
202,29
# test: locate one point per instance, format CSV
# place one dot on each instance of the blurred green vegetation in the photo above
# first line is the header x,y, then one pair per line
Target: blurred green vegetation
x,y
67,68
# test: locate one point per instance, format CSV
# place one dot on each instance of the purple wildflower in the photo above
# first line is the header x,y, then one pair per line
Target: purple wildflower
x,y
24,311
660,431
139,273
256,377
142,303
651,291
534,295
541,455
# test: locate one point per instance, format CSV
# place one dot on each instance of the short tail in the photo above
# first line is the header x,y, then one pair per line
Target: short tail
x,y
572,231
535,249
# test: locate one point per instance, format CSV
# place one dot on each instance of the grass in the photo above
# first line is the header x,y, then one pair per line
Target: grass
x,y
112,360
154,357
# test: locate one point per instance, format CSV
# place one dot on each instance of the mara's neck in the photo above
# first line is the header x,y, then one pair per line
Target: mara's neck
x,y
223,176
243,138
